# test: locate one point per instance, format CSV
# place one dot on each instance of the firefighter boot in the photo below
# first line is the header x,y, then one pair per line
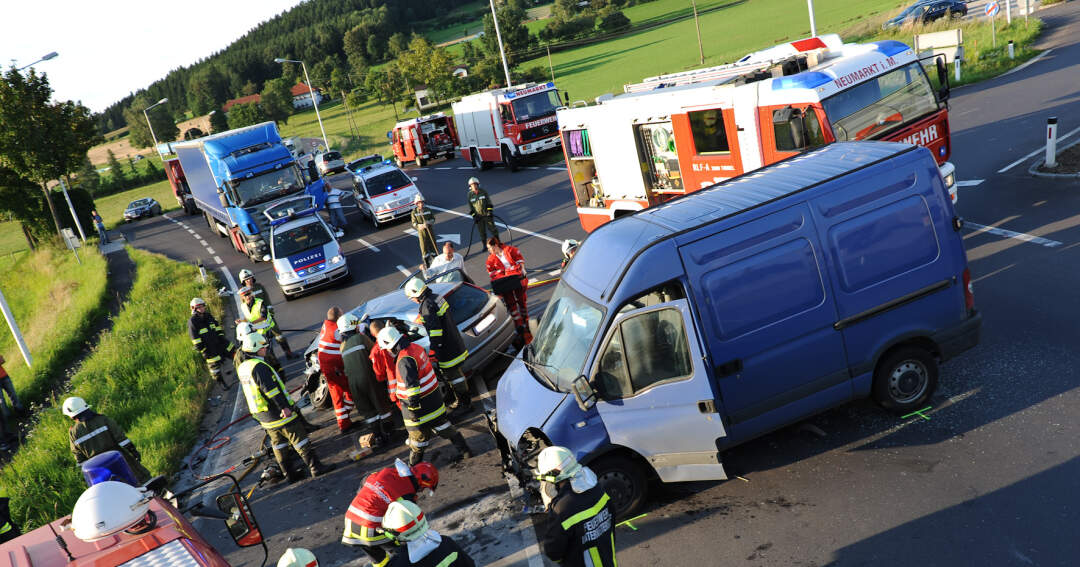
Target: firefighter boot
x,y
458,440
315,467
415,456
289,354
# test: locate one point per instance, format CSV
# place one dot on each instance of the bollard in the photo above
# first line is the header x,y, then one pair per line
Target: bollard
x,y
202,271
1012,53
956,69
1051,142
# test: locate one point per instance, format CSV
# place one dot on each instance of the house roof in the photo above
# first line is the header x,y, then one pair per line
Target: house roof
x,y
300,89
256,98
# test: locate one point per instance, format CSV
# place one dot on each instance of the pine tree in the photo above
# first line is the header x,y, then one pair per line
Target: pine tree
x,y
88,177
117,172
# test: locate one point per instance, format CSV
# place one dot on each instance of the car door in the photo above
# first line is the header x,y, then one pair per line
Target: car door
x,y
654,392
363,199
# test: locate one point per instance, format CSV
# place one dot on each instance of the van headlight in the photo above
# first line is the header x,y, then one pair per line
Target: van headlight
x,y
950,179
336,259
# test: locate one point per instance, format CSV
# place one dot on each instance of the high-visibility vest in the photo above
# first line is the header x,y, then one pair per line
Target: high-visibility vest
x,y
329,341
257,315
430,405
257,399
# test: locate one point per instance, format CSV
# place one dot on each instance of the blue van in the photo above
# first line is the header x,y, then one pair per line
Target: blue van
x,y
691,327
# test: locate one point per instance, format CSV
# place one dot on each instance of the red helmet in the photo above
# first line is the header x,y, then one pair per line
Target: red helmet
x,y
427,476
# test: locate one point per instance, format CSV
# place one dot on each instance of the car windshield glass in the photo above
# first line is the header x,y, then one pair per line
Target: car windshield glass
x,y
466,302
297,239
358,163
139,203
386,182
270,185
331,156
567,329
872,109
536,106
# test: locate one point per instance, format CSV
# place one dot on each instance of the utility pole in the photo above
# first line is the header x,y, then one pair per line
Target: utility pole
x,y
498,37
701,50
550,68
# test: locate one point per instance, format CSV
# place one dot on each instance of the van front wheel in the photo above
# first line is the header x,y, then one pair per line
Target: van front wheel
x,y
624,481
905,380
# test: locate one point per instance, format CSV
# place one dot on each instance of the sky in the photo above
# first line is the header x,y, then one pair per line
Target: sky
x,y
108,49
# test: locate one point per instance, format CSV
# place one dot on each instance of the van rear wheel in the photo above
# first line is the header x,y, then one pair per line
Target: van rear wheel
x,y
905,379
624,481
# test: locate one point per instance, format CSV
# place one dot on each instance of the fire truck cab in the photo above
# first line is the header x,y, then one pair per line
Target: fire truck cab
x,y
674,134
505,125
420,139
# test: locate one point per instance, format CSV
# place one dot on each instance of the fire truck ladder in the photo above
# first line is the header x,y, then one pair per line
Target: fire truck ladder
x,y
750,71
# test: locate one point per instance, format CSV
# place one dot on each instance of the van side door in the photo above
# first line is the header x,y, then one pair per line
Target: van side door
x,y
767,313
654,392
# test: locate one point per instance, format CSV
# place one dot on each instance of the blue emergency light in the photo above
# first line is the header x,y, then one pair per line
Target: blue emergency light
x,y
109,465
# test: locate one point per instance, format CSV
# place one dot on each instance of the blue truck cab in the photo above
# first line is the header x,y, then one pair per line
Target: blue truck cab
x,y
688,328
236,174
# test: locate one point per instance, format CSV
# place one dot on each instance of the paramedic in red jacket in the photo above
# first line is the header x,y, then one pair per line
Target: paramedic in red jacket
x,y
363,519
333,369
506,267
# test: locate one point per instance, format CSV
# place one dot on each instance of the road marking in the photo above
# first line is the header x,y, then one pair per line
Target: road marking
x,y
217,260
1010,234
1036,58
508,227
531,167
970,183
1032,154
191,231
443,168
210,251
556,169
464,168
203,242
554,273
370,246
404,270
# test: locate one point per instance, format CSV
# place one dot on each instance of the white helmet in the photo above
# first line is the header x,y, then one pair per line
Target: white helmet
x,y
418,198
568,245
297,557
404,521
253,342
243,329
415,287
196,301
245,274
389,336
554,464
347,322
74,405
474,180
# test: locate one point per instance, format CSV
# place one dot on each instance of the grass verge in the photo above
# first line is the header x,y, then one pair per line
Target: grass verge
x,y
143,373
57,303
111,207
11,238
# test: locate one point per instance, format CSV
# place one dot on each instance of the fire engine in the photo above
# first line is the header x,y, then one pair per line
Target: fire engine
x,y
673,134
420,139
504,125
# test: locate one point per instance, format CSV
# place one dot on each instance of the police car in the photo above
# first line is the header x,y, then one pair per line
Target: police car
x,y
304,251
383,192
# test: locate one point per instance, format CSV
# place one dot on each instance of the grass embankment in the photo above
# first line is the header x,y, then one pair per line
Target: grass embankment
x,y
56,302
374,120
143,373
111,207
11,239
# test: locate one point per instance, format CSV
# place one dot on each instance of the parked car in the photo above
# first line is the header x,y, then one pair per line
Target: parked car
x,y
482,319
927,11
384,192
329,162
139,208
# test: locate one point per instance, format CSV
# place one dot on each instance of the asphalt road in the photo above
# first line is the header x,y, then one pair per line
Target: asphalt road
x,y
990,478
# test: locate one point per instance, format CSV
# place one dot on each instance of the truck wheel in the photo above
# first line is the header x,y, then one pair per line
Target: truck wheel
x,y
209,221
474,157
905,379
420,162
624,481
400,164
509,160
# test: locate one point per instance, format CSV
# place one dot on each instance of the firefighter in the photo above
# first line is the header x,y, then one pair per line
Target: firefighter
x,y
243,329
569,248
481,209
579,527
8,529
297,557
209,340
418,396
363,519
333,370
369,396
422,221
407,527
270,405
247,279
93,434
446,341
257,311
506,266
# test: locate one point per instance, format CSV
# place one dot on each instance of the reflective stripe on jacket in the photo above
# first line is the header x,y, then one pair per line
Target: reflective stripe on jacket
x,y
329,340
417,389
257,315
445,338
264,393
580,529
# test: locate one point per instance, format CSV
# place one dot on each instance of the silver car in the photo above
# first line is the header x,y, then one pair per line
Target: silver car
x,y
329,162
482,318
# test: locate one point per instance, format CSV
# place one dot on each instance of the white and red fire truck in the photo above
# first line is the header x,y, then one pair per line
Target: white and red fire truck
x,y
420,139
504,125
674,134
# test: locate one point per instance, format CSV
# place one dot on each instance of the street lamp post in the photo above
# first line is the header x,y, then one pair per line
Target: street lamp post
x,y
45,57
147,116
311,92
810,9
498,37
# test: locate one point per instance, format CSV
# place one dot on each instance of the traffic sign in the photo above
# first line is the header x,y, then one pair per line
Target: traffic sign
x,y
992,8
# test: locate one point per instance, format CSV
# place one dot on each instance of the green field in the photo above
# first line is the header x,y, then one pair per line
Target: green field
x,y
11,239
111,207
143,373
373,119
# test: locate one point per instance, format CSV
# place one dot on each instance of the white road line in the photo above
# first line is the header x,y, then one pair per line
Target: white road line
x,y
202,242
404,270
210,251
556,169
217,260
1038,151
554,273
370,246
443,168
1036,58
531,167
970,183
464,168
1017,235
508,227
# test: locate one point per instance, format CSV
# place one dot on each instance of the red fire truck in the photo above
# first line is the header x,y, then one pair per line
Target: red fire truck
x,y
504,125
674,134
420,139
178,181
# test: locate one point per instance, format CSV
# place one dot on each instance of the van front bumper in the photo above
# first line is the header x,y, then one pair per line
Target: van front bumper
x,y
540,145
308,283
960,337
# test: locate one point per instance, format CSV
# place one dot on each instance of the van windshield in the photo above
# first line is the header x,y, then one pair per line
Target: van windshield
x,y
885,103
567,329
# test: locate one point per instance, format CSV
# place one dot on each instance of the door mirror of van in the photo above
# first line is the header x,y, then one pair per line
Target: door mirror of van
x,y
339,233
583,393
240,522
266,257
221,197
943,78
